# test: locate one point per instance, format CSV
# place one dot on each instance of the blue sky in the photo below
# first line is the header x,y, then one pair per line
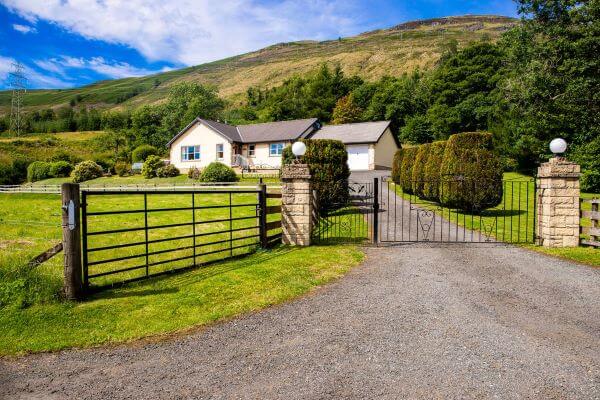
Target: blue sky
x,y
66,43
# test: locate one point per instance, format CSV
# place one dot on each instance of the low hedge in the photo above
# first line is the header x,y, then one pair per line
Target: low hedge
x,y
168,171
397,165
471,173
408,162
37,171
218,172
328,164
60,169
418,171
431,171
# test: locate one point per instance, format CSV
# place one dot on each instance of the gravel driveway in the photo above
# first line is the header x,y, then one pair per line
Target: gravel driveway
x,y
454,321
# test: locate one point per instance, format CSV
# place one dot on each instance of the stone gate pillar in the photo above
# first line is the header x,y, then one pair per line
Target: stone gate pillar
x,y
558,203
296,205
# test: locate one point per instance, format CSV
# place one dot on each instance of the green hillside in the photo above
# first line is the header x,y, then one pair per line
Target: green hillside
x,y
371,55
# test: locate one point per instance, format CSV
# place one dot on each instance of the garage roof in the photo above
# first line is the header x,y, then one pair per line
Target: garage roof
x,y
361,132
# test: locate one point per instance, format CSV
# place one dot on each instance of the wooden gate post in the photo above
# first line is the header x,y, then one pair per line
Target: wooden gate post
x,y
72,282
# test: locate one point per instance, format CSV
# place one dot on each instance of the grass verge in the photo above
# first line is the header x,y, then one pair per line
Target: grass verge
x,y
170,304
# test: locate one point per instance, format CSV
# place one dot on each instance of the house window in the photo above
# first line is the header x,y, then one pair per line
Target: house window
x,y
190,153
276,149
251,150
220,152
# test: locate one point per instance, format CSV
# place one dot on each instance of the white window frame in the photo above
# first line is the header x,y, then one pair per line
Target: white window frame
x,y
252,150
278,149
222,151
195,153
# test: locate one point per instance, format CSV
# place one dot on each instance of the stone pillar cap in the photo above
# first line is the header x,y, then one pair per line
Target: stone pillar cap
x,y
295,171
559,167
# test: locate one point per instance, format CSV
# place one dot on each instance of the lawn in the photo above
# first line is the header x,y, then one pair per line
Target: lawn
x,y
33,318
517,196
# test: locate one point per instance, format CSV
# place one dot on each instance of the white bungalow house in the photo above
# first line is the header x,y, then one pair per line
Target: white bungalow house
x,y
370,145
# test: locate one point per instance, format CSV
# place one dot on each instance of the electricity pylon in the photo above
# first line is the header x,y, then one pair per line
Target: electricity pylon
x,y
18,83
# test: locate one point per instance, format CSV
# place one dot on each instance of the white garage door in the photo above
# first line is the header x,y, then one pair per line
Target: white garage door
x,y
358,157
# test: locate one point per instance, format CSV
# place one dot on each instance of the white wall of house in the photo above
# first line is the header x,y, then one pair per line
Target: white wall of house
x,y
262,155
207,139
385,149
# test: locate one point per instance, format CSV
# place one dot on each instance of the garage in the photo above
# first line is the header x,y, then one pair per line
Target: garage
x,y
370,145
358,157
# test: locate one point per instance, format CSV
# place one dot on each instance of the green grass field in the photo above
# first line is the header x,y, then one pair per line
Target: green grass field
x,y
115,181
34,318
512,224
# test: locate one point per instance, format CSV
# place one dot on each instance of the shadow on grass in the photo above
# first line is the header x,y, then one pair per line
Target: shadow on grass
x,y
170,281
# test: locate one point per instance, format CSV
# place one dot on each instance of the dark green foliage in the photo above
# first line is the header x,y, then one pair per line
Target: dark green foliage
x,y
406,169
471,173
431,172
60,169
417,130
146,123
13,172
187,101
397,166
588,156
107,164
168,171
86,170
123,168
141,153
328,164
418,171
37,171
218,172
151,166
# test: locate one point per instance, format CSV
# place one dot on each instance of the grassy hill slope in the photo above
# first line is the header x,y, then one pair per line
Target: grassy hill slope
x,y
371,55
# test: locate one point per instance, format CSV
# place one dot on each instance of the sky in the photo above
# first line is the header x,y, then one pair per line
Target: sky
x,y
68,43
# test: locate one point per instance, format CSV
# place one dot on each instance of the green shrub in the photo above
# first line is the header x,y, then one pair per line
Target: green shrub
x,y
218,172
37,171
418,172
141,153
13,172
328,164
406,168
60,169
86,170
588,156
397,166
167,171
107,165
431,173
151,166
122,168
193,173
471,173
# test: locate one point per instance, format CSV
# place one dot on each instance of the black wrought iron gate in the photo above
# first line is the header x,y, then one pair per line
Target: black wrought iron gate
x,y
382,211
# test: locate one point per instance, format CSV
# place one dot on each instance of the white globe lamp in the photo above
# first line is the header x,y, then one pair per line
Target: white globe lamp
x,y
558,146
299,149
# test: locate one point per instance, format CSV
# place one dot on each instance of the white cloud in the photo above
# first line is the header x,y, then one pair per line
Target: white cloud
x,y
194,31
34,78
24,28
112,69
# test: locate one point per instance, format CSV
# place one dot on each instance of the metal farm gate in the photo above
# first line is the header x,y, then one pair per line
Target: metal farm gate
x,y
381,211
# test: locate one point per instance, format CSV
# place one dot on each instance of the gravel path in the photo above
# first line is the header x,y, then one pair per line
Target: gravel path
x,y
454,321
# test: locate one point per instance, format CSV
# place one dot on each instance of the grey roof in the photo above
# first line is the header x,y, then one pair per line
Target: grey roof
x,y
274,131
265,132
362,132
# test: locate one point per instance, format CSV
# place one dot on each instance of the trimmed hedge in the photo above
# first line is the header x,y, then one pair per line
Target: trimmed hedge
x,y
151,166
168,171
86,170
431,171
471,173
60,169
142,152
408,162
418,172
218,172
328,164
37,171
397,166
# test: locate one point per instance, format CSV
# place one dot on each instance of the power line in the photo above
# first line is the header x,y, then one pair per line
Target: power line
x,y
18,83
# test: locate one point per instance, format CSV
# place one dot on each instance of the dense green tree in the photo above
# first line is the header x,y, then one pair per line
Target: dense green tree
x,y
147,125
187,101
346,111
